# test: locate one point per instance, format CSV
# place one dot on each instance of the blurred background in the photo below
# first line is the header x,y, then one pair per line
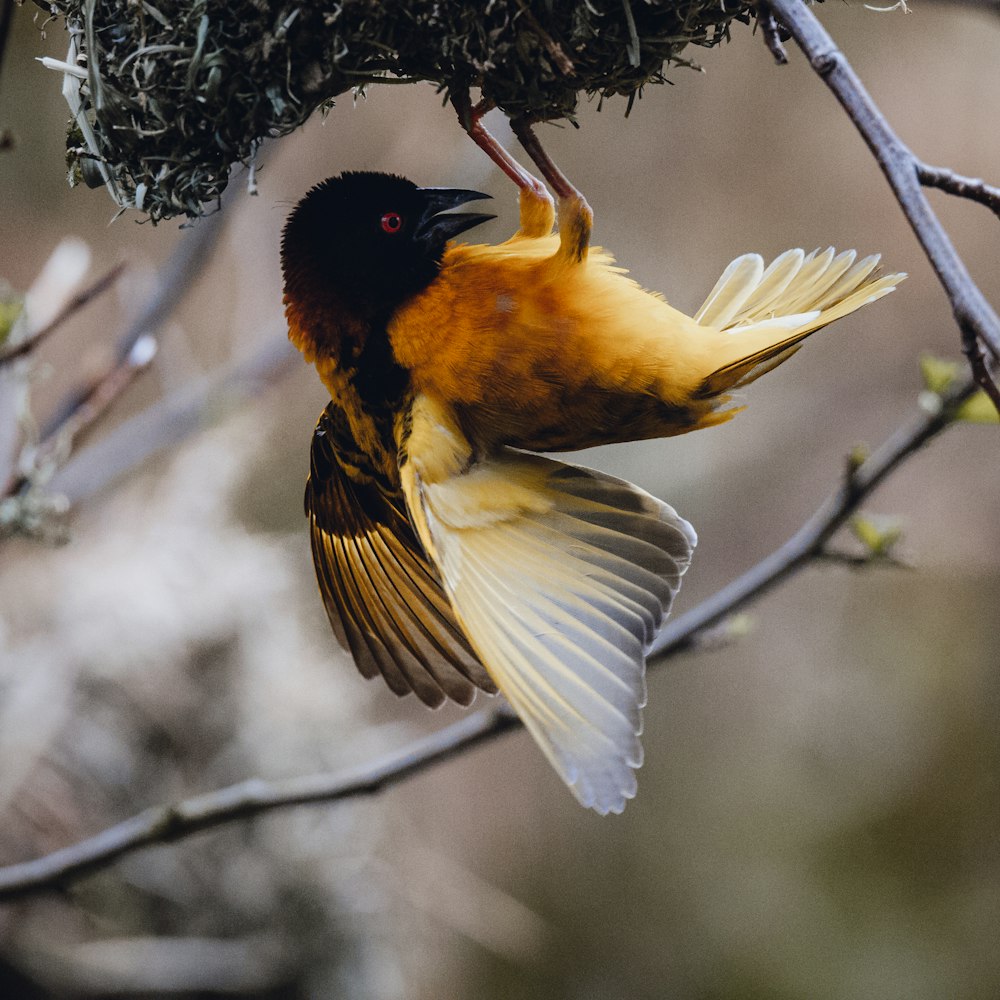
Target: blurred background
x,y
818,812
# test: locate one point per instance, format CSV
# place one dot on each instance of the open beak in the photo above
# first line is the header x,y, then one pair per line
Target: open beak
x,y
435,228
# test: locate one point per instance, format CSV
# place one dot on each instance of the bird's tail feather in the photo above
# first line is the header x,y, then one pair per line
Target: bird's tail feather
x,y
769,311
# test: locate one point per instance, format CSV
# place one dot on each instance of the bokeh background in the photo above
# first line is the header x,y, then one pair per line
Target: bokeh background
x,y
818,812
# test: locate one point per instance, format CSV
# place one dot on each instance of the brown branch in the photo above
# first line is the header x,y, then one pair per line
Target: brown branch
x,y
87,409
977,321
75,304
162,824
166,423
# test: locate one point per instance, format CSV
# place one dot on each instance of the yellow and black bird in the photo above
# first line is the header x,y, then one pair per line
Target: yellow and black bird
x,y
449,557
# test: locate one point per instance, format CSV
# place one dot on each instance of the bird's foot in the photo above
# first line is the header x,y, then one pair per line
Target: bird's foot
x,y
537,208
576,219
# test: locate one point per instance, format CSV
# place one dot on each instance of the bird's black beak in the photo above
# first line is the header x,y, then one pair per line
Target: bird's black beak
x,y
436,229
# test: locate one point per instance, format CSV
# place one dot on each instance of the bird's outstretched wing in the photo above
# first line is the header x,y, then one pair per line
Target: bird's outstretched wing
x,y
382,596
561,577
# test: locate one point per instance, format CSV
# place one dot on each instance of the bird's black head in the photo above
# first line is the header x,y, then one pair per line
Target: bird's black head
x,y
370,240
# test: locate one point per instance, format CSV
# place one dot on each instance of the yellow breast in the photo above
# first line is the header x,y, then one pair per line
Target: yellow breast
x,y
511,326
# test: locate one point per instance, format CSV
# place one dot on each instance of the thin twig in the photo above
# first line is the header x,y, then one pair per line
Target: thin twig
x,y
80,409
89,405
170,421
811,539
185,266
962,187
862,560
771,33
75,304
162,824
976,319
981,373
92,404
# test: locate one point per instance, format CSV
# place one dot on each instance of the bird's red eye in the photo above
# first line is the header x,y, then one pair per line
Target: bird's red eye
x,y
392,222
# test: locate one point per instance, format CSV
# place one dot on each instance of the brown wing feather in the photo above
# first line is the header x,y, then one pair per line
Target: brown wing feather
x,y
381,594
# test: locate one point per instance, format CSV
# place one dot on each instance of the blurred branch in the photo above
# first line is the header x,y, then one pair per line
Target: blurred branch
x,y
167,823
74,305
169,422
810,541
906,173
39,460
81,408
861,560
56,446
185,266
162,824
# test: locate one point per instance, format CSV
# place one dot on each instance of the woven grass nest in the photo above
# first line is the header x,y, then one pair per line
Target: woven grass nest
x,y
174,93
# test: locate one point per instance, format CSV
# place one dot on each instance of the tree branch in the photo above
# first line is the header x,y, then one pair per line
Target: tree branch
x,y
170,421
75,304
771,33
81,408
163,824
977,321
89,406
962,187
809,542
185,266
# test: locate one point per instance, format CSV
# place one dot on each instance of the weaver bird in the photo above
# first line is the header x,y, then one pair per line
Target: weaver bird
x,y
449,558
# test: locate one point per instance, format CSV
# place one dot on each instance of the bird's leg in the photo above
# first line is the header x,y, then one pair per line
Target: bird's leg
x,y
537,210
575,216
